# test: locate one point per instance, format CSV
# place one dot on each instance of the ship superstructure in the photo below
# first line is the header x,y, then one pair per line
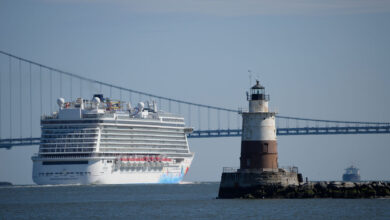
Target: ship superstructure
x,y
351,174
101,141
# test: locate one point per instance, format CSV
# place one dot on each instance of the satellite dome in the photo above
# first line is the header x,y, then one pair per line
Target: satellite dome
x,y
60,102
96,100
141,105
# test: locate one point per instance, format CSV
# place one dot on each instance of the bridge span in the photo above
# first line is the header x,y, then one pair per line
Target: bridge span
x,y
355,128
31,88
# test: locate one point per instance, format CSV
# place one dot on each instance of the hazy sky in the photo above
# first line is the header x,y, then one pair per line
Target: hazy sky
x,y
317,59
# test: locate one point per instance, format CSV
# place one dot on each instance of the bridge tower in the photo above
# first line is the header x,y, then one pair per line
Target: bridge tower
x,y
258,141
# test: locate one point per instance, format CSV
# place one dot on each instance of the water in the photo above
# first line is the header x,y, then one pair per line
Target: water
x,y
183,201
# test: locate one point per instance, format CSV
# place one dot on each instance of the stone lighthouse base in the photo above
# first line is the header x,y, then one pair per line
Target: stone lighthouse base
x,y
258,183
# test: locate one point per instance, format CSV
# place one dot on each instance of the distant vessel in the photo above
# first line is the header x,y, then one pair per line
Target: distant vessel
x,y
100,142
352,174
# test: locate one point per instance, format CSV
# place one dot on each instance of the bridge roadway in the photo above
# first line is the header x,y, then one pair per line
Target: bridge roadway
x,y
372,129
298,131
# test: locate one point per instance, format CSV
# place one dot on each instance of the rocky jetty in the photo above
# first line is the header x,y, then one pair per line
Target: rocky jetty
x,y
334,189
5,184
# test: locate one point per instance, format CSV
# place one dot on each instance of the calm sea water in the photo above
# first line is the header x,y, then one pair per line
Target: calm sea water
x,y
183,201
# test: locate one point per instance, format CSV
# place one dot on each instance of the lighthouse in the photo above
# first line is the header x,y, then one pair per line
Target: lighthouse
x,y
259,170
258,142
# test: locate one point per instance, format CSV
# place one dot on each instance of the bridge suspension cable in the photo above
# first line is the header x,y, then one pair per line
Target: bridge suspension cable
x,y
44,84
114,86
170,99
198,115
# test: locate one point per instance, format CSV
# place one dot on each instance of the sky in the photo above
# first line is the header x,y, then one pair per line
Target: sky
x,y
317,59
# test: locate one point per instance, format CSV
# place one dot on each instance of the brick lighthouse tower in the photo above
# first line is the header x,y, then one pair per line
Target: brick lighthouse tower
x,y
259,168
258,144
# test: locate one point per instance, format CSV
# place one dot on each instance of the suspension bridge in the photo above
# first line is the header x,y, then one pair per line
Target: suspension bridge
x,y
28,88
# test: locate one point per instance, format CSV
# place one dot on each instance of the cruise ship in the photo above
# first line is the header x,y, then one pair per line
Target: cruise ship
x,y
101,141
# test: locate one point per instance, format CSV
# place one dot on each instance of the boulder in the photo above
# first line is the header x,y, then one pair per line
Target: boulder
x,y
335,185
348,185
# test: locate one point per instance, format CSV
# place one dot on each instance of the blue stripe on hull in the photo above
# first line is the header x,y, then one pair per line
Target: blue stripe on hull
x,y
167,178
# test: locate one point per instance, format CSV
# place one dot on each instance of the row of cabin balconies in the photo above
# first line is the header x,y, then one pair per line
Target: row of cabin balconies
x,y
113,150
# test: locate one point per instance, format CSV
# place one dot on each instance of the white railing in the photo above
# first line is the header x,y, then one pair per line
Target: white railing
x,y
290,169
229,169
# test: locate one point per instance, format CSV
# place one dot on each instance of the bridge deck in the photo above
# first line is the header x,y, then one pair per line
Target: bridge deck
x,y
383,129
298,131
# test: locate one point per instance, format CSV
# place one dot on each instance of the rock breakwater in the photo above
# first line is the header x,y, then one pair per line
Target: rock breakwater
x,y
333,189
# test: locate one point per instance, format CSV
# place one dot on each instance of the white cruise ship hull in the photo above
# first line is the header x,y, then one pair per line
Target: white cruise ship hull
x,y
98,171
100,142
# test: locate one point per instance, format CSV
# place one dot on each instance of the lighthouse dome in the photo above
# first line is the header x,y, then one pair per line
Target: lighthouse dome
x,y
257,92
257,86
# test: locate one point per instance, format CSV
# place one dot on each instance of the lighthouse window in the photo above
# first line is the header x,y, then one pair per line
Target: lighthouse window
x,y
265,148
248,162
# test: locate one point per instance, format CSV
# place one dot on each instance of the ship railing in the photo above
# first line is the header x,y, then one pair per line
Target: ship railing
x,y
230,169
108,104
53,116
